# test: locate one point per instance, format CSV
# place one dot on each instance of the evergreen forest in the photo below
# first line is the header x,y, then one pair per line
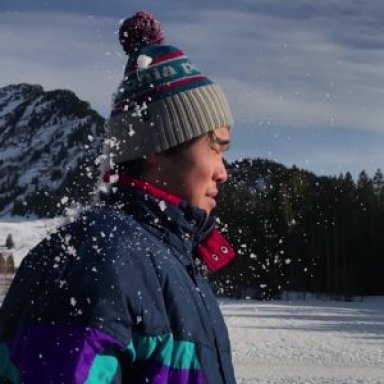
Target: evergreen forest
x,y
295,231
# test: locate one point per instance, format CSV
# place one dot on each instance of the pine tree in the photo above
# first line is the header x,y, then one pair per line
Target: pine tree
x,y
378,184
9,242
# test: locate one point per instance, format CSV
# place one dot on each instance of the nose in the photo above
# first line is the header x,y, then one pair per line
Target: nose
x,y
221,173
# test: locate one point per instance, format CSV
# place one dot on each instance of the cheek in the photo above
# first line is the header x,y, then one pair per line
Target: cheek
x,y
201,169
200,178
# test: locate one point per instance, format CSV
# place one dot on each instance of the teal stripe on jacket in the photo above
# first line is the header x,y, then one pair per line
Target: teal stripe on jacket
x,y
103,370
7,369
166,350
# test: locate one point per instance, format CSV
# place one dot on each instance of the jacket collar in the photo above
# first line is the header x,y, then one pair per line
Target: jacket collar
x,y
182,225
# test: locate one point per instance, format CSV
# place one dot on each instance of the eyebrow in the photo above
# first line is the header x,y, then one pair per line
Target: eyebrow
x,y
222,142
219,140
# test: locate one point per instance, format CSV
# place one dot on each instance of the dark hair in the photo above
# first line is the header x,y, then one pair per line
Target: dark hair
x,y
137,167
134,168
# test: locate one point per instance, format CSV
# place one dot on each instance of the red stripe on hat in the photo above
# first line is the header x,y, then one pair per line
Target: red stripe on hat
x,y
179,83
158,59
144,96
167,56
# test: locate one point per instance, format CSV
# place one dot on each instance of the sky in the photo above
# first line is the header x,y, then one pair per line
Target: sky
x,y
305,79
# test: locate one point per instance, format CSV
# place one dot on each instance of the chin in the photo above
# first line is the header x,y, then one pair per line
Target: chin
x,y
208,208
208,211
204,207
207,205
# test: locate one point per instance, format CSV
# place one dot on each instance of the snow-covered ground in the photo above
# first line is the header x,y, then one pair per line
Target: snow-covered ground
x,y
292,342
25,233
284,342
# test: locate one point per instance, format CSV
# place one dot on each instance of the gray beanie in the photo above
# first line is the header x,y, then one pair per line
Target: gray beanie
x,y
163,100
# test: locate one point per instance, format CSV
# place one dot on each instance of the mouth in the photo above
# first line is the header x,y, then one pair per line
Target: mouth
x,y
213,194
212,199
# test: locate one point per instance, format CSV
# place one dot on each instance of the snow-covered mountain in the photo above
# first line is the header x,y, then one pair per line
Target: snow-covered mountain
x,y
48,148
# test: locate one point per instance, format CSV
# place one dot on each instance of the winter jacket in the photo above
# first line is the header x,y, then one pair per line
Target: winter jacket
x,y
117,296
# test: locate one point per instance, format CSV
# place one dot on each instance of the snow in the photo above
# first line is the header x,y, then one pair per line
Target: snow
x,y
143,61
282,342
310,341
39,143
10,106
11,151
26,233
163,205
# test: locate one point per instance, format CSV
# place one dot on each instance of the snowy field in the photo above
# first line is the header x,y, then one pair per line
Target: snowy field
x,y
322,342
284,342
25,233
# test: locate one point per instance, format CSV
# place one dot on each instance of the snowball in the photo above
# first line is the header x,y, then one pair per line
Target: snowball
x,y
162,205
143,61
131,131
64,200
113,178
71,250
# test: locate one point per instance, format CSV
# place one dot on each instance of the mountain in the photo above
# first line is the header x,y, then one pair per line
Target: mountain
x,y
49,143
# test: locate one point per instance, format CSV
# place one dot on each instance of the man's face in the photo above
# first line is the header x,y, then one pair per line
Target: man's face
x,y
195,173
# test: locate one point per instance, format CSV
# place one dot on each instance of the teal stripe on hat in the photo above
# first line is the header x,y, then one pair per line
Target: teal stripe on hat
x,y
7,369
158,74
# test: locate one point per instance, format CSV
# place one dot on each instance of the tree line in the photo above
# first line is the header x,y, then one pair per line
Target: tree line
x,y
292,230
296,231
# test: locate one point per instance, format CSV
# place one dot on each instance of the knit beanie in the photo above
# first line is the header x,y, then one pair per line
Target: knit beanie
x,y
163,99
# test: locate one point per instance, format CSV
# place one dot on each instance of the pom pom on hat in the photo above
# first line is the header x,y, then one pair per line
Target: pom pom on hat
x,y
140,30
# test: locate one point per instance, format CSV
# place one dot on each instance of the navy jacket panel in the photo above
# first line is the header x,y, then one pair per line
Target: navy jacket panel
x,y
123,279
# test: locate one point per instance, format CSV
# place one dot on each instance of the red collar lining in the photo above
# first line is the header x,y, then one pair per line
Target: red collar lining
x,y
214,249
128,181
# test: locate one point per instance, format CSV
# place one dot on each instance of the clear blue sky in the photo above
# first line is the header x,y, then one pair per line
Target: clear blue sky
x,y
305,79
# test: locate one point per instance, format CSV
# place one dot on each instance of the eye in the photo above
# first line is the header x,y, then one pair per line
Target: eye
x,y
219,145
226,147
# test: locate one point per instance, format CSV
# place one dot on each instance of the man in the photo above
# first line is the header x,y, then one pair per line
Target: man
x,y
118,295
